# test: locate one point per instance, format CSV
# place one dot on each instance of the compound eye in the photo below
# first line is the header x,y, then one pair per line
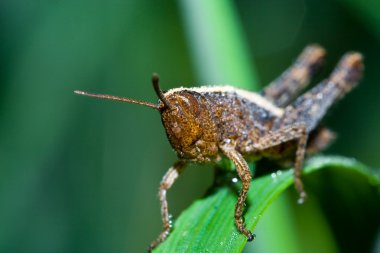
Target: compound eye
x,y
190,104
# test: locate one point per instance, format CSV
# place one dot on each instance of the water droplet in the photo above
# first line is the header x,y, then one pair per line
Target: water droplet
x,y
273,175
235,180
170,220
302,198
279,173
264,114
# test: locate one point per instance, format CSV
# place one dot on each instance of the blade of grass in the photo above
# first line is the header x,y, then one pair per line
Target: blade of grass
x,y
207,225
217,43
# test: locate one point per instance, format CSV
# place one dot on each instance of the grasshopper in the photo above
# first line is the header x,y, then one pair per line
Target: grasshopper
x,y
207,123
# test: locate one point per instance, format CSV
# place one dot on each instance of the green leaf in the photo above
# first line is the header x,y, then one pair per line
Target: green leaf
x,y
208,224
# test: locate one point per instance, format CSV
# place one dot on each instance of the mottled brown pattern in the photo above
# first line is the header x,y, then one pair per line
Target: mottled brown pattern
x,y
203,124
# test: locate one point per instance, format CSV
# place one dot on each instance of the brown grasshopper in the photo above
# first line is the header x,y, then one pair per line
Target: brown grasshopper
x,y
206,123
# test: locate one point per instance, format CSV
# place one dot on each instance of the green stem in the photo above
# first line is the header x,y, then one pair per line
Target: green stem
x,y
217,43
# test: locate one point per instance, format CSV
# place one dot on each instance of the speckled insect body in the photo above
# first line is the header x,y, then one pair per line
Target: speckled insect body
x,y
207,123
204,121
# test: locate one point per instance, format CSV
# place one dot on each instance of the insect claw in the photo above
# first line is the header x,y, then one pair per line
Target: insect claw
x,y
251,237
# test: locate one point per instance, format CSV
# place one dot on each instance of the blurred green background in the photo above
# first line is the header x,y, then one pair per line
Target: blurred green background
x,y
81,175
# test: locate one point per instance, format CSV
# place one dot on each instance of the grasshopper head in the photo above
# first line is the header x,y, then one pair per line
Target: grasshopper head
x,y
189,125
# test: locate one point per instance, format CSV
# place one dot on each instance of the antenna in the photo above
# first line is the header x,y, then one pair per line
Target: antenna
x,y
156,86
110,97
160,94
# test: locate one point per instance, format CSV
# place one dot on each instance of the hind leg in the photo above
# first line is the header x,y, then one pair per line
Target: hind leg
x,y
296,132
309,109
285,88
